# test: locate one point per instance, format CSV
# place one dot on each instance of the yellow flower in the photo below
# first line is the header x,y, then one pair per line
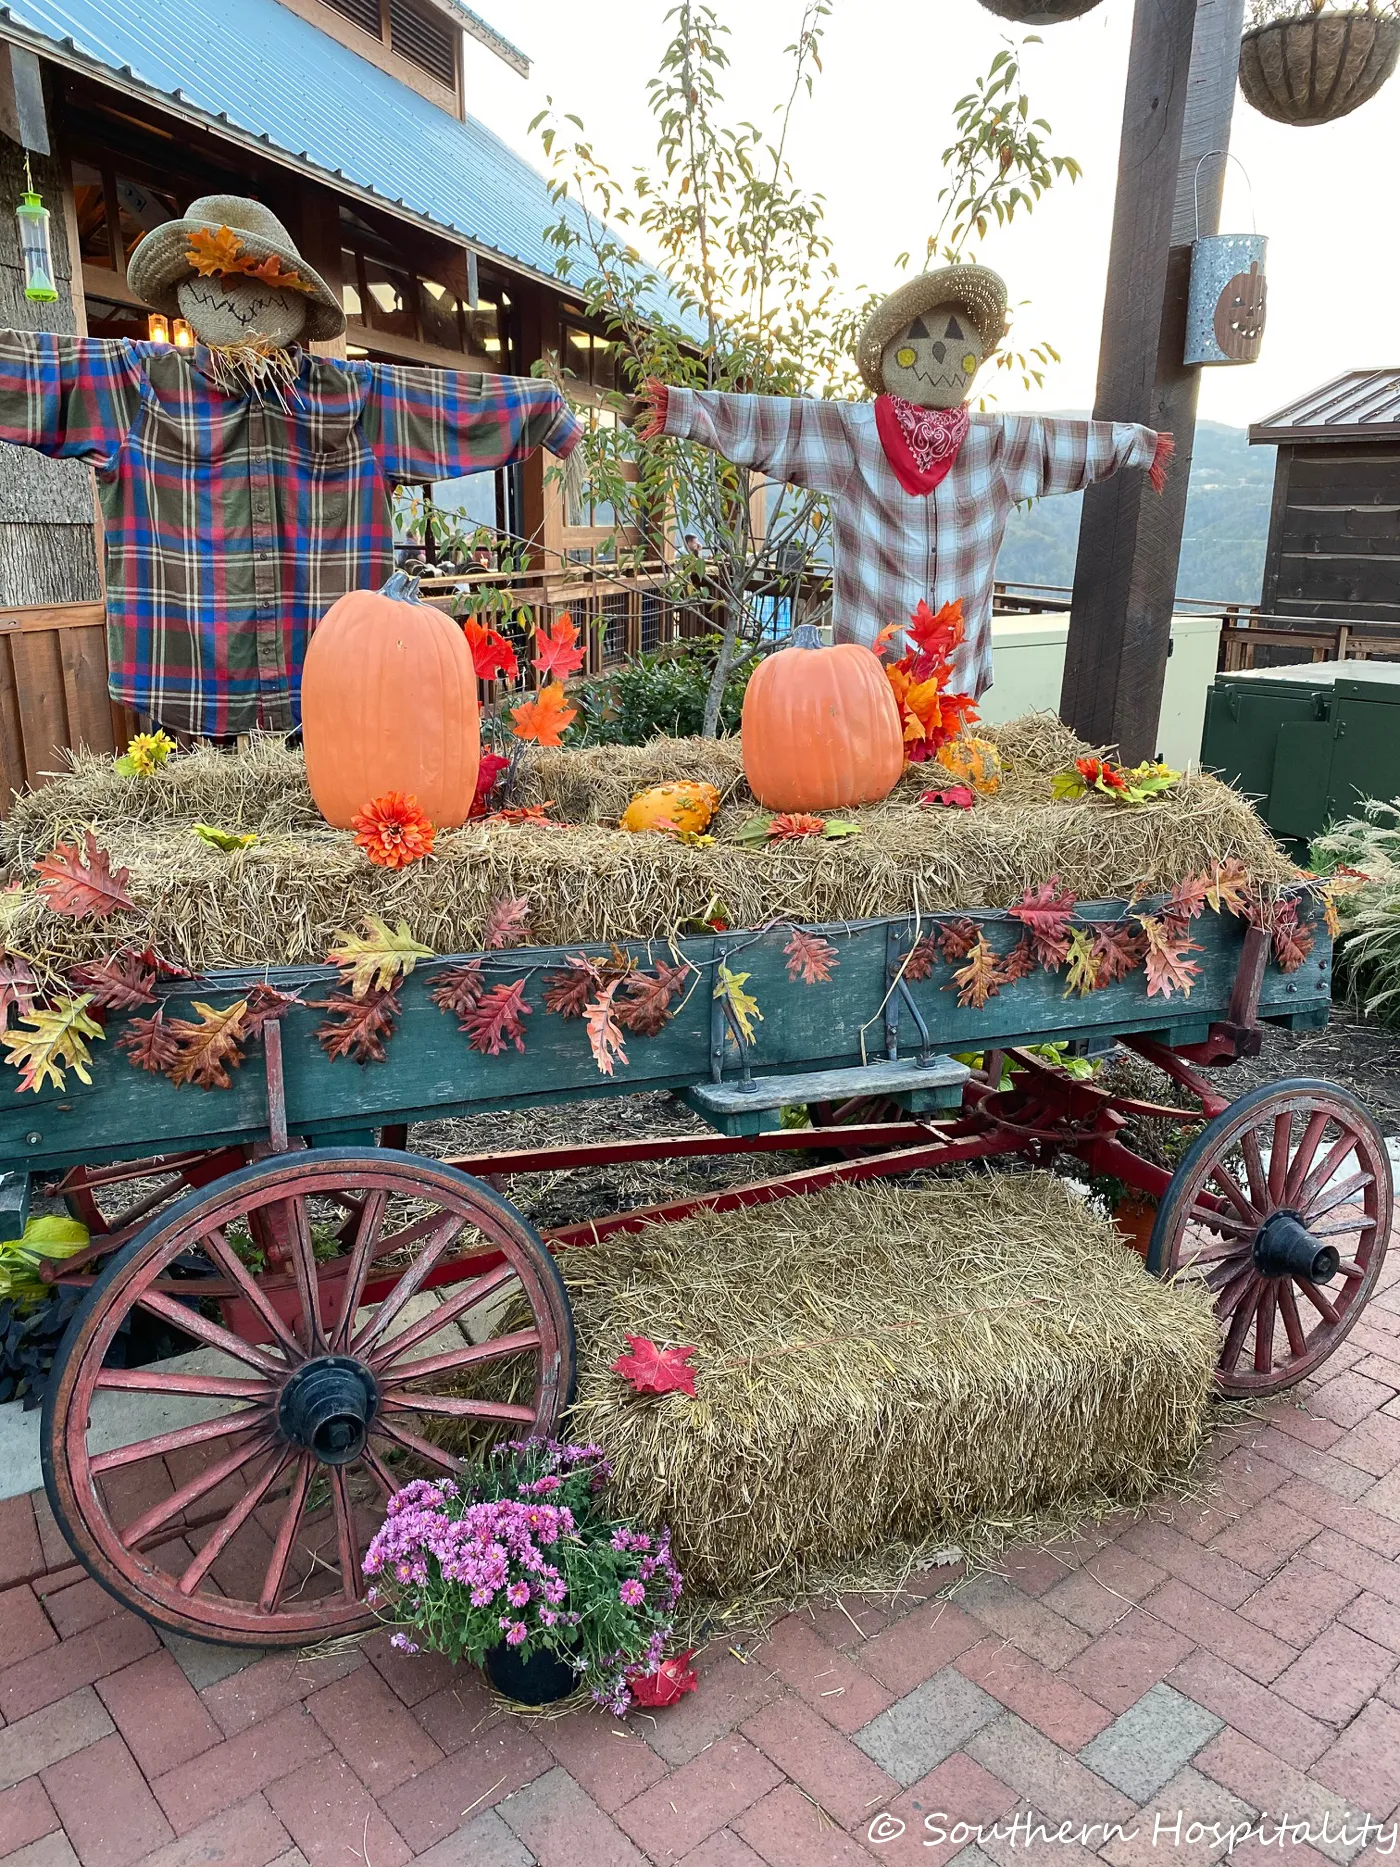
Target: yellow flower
x,y
146,753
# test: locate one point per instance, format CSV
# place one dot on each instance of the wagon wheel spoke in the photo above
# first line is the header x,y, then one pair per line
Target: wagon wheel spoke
x,y
422,1448
446,1313
1292,1321
303,1255
351,1576
1303,1158
1217,1220
1322,1175
1350,1269
210,1333
454,1406
1280,1153
219,1540
276,1576
1221,1252
1245,1312
1225,1180
222,1252
1255,1170
379,1471
1322,1304
150,1380
408,1284
367,1227
1337,1228
207,1480
1335,1196
1231,1288
179,1439
1264,1330
453,1360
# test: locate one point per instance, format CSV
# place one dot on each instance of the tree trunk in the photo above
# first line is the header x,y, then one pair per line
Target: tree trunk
x,y
724,661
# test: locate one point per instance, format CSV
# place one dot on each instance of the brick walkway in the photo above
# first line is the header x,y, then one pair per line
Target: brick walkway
x,y
1210,1659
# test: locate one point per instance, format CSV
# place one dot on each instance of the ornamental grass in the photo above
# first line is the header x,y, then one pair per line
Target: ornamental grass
x,y
882,1372
284,900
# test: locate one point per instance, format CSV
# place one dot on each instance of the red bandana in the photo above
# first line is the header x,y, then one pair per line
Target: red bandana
x,y
920,443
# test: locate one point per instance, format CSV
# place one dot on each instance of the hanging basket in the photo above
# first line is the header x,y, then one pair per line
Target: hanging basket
x,y
1319,68
1039,12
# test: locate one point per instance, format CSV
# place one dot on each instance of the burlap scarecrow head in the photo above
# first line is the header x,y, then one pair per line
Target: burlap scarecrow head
x,y
927,341
230,269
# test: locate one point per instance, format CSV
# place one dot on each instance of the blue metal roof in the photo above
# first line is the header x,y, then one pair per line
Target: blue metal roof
x,y
257,73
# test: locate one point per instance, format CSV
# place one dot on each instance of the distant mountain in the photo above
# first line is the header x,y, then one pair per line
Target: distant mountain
x,y
1227,524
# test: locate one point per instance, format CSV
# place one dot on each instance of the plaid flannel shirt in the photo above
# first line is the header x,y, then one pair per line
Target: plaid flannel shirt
x,y
892,547
233,522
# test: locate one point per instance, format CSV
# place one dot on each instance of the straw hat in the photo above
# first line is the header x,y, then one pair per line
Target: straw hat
x,y
977,290
161,261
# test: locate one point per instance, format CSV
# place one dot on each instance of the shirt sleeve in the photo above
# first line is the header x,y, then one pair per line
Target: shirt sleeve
x,y
428,424
805,442
1041,454
73,397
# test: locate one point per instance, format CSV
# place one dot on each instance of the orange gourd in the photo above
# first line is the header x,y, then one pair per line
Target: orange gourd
x,y
679,806
972,761
389,703
820,728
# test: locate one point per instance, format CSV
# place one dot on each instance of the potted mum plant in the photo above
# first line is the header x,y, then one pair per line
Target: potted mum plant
x,y
518,1567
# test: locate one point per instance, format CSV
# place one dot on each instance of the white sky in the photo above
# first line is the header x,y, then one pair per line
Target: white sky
x,y
870,141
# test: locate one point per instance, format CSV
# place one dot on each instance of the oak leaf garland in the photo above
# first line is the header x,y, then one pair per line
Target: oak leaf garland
x,y
924,955
1168,968
1020,962
1228,887
980,979
266,1005
956,939
357,1027
55,1040
120,982
605,1038
150,1043
810,958
495,1020
1045,913
1292,938
378,956
1083,965
77,888
645,1008
18,986
459,989
1118,951
210,1045
567,993
729,986
507,922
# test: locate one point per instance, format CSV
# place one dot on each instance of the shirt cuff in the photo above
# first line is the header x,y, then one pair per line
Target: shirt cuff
x,y
565,433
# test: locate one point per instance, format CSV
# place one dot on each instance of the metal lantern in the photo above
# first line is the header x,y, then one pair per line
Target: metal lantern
x,y
1226,305
34,244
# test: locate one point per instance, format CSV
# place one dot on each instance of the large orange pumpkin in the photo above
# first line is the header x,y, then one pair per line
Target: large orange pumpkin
x,y
389,703
820,729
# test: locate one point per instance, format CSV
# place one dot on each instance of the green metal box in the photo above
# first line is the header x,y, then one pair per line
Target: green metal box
x,y
1308,743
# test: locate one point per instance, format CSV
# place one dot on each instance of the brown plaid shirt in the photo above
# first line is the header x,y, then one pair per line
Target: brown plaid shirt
x,y
895,548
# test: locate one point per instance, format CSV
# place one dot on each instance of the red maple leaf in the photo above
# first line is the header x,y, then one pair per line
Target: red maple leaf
x,y
545,718
936,635
646,1008
557,656
459,989
120,982
671,1680
810,958
488,776
1045,913
605,1038
492,654
78,889
496,1020
890,633
956,797
653,1370
507,922
357,1027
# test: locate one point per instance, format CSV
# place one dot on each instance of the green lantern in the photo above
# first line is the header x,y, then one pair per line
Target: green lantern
x,y
34,244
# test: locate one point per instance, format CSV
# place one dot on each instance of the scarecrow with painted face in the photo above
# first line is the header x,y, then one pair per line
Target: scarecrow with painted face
x,y
920,486
246,483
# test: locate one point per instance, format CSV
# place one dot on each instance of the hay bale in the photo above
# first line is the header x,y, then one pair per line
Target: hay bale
x,y
283,901
930,1364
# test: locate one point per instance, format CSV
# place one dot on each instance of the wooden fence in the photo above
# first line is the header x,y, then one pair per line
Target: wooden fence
x,y
53,692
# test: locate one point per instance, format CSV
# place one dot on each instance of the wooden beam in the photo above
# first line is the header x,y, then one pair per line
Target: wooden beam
x,y
22,115
1182,71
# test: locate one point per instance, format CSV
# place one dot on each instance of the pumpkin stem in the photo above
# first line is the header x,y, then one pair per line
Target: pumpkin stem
x,y
402,586
806,635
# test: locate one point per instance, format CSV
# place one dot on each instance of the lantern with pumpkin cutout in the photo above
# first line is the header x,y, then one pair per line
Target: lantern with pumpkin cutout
x,y
1226,303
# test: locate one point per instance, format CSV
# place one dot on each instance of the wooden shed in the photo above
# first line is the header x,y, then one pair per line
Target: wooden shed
x,y
1334,530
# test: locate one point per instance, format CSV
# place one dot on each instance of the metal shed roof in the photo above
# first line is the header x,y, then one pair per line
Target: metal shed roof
x,y
1363,405
260,76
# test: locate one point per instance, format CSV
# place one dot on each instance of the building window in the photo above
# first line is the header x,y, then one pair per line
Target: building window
x,y
418,33
590,358
427,303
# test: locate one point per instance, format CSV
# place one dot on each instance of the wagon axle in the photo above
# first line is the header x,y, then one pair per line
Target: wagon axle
x,y
326,1408
1284,1247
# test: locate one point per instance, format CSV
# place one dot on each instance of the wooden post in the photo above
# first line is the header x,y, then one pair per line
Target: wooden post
x,y
1180,95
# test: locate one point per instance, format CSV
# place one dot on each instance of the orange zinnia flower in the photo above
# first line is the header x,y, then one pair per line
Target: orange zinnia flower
x,y
795,823
393,831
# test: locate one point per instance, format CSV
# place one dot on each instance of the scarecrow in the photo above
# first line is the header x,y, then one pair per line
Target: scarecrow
x,y
245,483
920,486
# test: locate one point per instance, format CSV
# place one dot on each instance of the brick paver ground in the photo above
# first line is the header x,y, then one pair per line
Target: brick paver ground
x,y
1140,1695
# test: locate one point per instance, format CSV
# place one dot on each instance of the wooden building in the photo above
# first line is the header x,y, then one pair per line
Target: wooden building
x,y
1334,531
351,120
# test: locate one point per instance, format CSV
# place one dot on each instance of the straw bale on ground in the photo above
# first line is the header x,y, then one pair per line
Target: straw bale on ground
x,y
284,900
933,1364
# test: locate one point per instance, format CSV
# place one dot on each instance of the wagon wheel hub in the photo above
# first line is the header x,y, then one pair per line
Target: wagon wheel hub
x,y
1284,1247
326,1407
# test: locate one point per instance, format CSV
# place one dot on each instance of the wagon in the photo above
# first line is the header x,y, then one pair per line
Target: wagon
x,y
347,1312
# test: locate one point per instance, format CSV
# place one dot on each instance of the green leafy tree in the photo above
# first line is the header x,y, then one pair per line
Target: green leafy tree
x,y
740,292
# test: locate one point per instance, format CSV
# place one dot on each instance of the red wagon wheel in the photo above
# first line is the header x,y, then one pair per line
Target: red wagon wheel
x,y
1282,1207
115,1199
363,1355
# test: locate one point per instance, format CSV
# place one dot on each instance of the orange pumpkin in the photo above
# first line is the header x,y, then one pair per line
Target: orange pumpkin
x,y
389,703
820,728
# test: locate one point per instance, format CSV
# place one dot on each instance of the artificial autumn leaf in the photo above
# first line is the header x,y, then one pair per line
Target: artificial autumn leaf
x,y
1118,951
149,1043
492,654
956,939
810,958
646,1008
119,983
1021,961
604,1033
18,986
1168,968
790,824
165,968
507,922
495,1020
670,1681
528,813
393,831
225,840
923,957
1293,939
378,956
1044,912
555,652
937,635
1330,916
955,797
1083,970
266,1005
838,827
210,1046
1186,900
270,271
214,250
56,1040
459,989
488,776
730,987
887,636
545,718
1228,886
753,830
567,993
653,1370
77,888
357,1027
980,979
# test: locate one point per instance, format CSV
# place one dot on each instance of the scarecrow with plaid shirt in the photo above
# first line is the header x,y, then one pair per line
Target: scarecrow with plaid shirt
x,y
920,486
245,484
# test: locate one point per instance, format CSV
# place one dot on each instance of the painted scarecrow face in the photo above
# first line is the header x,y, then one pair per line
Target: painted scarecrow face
x,y
933,360
226,309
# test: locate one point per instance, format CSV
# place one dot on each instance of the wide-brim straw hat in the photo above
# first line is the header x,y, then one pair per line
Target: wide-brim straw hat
x,y
160,262
977,290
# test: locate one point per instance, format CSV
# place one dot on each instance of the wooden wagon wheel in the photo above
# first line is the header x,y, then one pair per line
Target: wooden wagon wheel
x,y
318,1387
1282,1207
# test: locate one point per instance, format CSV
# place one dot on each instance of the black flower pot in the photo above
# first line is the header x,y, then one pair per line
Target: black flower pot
x,y
540,1680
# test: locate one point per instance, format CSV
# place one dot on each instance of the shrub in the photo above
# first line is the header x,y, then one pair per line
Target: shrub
x,y
1362,854
659,693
